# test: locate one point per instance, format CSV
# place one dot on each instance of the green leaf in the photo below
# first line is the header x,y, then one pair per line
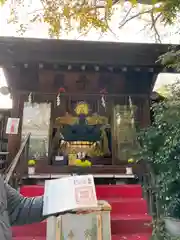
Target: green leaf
x,y
2,2
133,2
161,146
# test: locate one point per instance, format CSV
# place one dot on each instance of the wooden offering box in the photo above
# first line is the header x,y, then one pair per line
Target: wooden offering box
x,y
95,225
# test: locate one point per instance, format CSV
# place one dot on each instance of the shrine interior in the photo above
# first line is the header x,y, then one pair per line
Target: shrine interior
x,y
81,122
82,102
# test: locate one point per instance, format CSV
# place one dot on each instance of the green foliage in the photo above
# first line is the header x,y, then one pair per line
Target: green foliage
x,y
161,148
159,231
66,15
164,91
171,59
2,2
82,15
170,10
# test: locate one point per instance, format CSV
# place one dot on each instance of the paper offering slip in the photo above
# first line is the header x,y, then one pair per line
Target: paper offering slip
x,y
69,193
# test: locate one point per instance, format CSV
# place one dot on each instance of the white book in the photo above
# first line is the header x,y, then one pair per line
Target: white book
x,y
69,194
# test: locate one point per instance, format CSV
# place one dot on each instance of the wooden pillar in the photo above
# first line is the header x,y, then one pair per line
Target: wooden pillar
x,y
14,140
145,117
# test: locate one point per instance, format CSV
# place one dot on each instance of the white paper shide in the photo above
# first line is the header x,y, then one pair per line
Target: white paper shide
x,y
69,193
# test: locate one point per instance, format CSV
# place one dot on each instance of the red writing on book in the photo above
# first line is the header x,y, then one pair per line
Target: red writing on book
x,y
13,123
12,126
84,195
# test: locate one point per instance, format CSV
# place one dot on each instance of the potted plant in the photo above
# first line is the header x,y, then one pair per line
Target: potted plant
x,y
31,166
82,164
129,168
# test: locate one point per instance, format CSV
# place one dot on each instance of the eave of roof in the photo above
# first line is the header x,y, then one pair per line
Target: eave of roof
x,y
27,50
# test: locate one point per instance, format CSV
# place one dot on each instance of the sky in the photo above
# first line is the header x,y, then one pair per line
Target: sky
x,y
132,32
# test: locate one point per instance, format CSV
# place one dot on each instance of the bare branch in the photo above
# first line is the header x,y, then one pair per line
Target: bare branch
x,y
124,22
127,14
85,32
111,31
153,26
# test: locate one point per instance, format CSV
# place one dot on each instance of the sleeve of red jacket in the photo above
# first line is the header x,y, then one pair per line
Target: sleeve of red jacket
x,y
23,210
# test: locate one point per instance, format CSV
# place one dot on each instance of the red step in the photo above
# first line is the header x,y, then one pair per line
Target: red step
x,y
29,238
119,191
130,224
128,205
132,237
129,215
32,191
103,191
114,237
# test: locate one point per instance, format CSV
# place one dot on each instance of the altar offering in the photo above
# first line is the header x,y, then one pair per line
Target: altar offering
x,y
69,194
72,159
95,225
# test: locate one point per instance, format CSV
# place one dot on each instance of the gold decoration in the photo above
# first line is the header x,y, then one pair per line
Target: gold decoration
x,y
96,151
59,233
68,119
99,227
72,158
82,108
96,119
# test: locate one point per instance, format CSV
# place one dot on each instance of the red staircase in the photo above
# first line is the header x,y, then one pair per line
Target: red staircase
x,y
129,216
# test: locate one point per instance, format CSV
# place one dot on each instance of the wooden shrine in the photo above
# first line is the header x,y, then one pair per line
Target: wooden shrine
x,y
82,101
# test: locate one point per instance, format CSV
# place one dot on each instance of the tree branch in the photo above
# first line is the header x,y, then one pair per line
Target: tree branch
x,y
125,20
153,26
111,31
85,32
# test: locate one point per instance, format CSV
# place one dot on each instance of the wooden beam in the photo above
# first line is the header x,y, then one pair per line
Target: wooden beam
x,y
12,75
29,78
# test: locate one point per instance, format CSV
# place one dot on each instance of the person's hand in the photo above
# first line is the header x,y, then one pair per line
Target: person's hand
x,y
84,212
79,212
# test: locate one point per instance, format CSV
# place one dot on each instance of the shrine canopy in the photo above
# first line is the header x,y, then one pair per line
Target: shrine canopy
x,y
28,50
17,54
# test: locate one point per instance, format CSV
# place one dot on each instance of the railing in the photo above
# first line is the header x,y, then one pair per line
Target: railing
x,y
10,175
150,189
